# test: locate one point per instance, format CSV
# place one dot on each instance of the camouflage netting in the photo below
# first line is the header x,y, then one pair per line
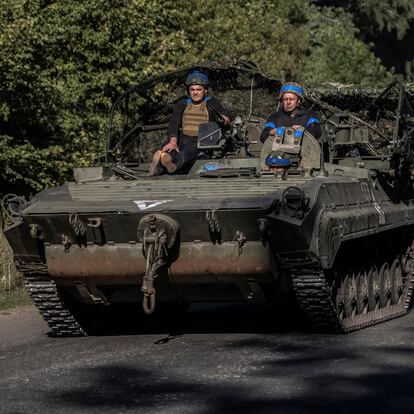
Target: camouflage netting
x,y
376,107
242,88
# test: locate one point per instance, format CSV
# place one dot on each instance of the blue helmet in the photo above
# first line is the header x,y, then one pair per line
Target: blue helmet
x,y
292,87
197,78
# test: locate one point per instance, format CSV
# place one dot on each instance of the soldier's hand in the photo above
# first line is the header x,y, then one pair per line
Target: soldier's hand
x,y
171,146
226,119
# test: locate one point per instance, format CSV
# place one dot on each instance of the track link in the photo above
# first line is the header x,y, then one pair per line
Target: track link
x,y
51,306
314,295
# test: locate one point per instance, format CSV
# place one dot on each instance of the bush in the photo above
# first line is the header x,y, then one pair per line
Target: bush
x,y
10,278
63,64
12,291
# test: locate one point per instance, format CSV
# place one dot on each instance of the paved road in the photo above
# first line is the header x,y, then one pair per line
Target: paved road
x,y
230,359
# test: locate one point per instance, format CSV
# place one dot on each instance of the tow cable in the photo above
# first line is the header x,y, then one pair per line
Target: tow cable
x,y
158,234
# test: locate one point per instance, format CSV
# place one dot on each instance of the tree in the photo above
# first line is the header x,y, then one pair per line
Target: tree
x,y
64,62
386,24
336,53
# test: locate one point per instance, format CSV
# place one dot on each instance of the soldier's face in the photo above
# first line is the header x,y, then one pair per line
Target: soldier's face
x,y
290,101
197,92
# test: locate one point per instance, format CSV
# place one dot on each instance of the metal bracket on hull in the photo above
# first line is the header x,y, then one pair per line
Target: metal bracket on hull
x,y
96,224
77,226
214,226
91,295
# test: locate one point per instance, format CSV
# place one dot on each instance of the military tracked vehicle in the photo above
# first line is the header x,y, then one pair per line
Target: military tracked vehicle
x,y
336,229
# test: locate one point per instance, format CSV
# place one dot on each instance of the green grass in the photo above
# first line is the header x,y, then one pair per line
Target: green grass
x,y
12,291
15,298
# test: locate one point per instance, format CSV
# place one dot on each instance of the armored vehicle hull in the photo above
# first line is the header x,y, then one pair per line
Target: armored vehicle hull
x,y
337,234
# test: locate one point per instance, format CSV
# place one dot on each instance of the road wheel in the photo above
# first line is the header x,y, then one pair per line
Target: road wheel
x,y
385,286
350,291
373,289
397,284
362,292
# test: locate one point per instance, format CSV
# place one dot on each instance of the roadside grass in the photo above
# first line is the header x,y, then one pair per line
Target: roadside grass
x,y
12,291
15,298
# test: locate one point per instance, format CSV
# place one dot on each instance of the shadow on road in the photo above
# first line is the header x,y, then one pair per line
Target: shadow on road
x,y
268,364
287,378
199,318
219,359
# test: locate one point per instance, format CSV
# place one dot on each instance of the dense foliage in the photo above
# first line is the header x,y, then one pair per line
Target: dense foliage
x,y
64,62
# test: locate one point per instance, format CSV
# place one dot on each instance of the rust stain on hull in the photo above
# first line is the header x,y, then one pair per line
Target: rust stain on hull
x,y
124,263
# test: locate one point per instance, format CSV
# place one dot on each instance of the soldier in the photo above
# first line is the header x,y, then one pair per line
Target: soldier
x,y
292,113
181,149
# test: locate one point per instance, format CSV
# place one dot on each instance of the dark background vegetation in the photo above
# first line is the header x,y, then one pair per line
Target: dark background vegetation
x,y
62,63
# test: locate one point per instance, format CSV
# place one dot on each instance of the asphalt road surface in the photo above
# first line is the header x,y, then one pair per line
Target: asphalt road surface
x,y
220,359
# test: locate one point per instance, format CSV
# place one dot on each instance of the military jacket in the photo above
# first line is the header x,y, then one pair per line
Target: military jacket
x,y
301,116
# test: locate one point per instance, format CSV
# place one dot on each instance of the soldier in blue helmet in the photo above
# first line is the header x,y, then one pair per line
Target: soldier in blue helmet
x,y
180,150
291,113
286,127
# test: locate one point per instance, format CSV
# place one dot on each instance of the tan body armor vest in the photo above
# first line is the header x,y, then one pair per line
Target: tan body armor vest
x,y
193,116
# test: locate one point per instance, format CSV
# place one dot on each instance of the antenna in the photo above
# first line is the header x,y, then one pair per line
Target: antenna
x,y
251,99
322,172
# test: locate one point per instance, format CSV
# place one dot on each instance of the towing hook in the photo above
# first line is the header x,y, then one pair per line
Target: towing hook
x,y
158,234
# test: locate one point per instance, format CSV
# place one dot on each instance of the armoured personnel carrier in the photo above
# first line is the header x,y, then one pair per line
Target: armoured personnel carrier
x,y
336,229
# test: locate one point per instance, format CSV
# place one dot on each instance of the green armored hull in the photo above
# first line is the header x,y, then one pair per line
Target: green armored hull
x,y
336,232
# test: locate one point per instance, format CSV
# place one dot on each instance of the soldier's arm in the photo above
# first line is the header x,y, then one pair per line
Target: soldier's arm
x,y
269,129
218,110
175,122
